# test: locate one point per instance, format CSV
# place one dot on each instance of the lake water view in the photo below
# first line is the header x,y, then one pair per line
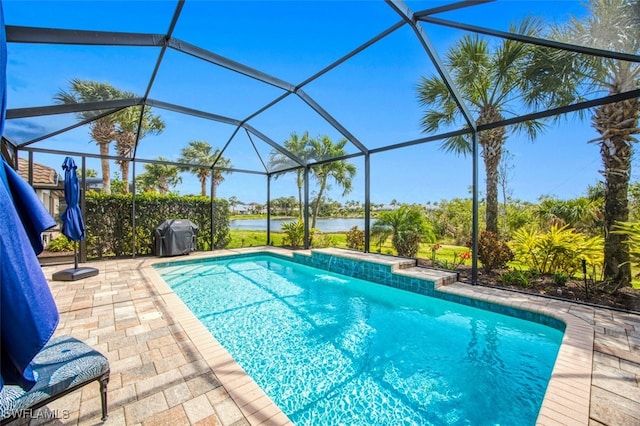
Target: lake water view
x,y
324,225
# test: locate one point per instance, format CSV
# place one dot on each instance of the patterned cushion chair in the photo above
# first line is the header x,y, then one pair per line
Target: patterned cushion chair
x,y
64,365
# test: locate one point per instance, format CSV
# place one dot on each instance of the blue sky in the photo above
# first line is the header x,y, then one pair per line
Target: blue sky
x,y
373,94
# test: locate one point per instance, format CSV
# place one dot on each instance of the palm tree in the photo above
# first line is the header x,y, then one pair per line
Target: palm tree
x,y
233,202
341,172
103,130
407,227
159,176
298,146
490,81
201,155
612,25
127,126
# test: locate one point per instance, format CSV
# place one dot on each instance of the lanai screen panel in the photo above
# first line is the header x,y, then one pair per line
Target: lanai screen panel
x,y
287,40
374,93
194,83
293,115
136,16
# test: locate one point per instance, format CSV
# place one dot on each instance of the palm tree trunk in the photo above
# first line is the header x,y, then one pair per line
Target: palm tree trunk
x,y
163,185
316,208
124,168
491,167
203,187
491,142
106,169
299,182
616,122
125,141
102,132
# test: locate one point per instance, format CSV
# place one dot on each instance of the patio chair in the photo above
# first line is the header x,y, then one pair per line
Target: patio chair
x,y
64,365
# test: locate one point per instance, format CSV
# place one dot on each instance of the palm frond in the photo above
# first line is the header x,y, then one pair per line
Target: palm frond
x,y
531,128
459,145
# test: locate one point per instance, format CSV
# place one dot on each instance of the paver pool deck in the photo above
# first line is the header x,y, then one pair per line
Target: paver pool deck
x,y
167,369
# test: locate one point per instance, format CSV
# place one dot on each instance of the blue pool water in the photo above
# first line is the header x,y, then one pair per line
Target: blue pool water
x,y
330,349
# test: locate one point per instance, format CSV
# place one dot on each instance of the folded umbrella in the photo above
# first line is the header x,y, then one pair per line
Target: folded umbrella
x,y
72,223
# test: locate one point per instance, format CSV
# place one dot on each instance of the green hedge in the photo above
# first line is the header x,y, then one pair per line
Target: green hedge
x,y
109,223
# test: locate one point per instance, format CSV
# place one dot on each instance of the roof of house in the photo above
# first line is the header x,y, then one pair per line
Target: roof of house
x,y
42,175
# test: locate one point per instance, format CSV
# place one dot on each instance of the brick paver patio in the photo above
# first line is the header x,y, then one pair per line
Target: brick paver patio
x,y
166,369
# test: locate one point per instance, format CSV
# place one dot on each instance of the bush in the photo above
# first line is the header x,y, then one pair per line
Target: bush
x,y
321,240
492,252
60,244
560,250
517,277
294,232
109,222
355,239
560,278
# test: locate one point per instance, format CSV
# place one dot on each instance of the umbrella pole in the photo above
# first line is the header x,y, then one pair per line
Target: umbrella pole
x,y
75,254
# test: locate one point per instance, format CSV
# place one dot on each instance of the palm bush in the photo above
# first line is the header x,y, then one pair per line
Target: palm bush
x,y
407,228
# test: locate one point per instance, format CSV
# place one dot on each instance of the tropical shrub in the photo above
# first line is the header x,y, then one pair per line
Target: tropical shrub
x,y
518,277
452,219
458,260
355,239
583,214
493,252
294,233
560,250
321,240
560,278
60,244
407,227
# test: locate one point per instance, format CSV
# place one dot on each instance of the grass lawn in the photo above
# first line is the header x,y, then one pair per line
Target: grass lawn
x,y
247,238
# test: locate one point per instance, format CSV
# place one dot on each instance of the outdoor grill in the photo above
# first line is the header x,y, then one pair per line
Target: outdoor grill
x,y
175,237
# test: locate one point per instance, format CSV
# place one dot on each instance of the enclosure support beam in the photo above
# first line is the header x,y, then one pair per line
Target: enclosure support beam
x,y
306,207
83,208
213,208
133,207
71,108
30,170
269,209
475,208
329,119
205,55
19,34
367,202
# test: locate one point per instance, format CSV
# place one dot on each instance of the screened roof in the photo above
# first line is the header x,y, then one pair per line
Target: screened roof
x,y
244,76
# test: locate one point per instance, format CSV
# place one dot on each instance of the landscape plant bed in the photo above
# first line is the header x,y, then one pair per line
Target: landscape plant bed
x,y
574,290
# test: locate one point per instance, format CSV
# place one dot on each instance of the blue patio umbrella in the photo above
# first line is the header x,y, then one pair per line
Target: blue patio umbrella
x,y
72,222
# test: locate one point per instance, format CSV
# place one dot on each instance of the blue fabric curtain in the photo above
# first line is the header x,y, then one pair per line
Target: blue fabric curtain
x,y
28,313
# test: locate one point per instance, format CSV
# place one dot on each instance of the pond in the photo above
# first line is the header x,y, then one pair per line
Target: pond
x,y
323,224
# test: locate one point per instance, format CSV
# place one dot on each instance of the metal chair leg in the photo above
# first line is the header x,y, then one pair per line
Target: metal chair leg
x,y
104,380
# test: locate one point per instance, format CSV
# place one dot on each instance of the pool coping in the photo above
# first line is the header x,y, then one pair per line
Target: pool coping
x,y
566,400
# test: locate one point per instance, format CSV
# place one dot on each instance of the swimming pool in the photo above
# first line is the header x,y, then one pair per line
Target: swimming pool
x,y
329,349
